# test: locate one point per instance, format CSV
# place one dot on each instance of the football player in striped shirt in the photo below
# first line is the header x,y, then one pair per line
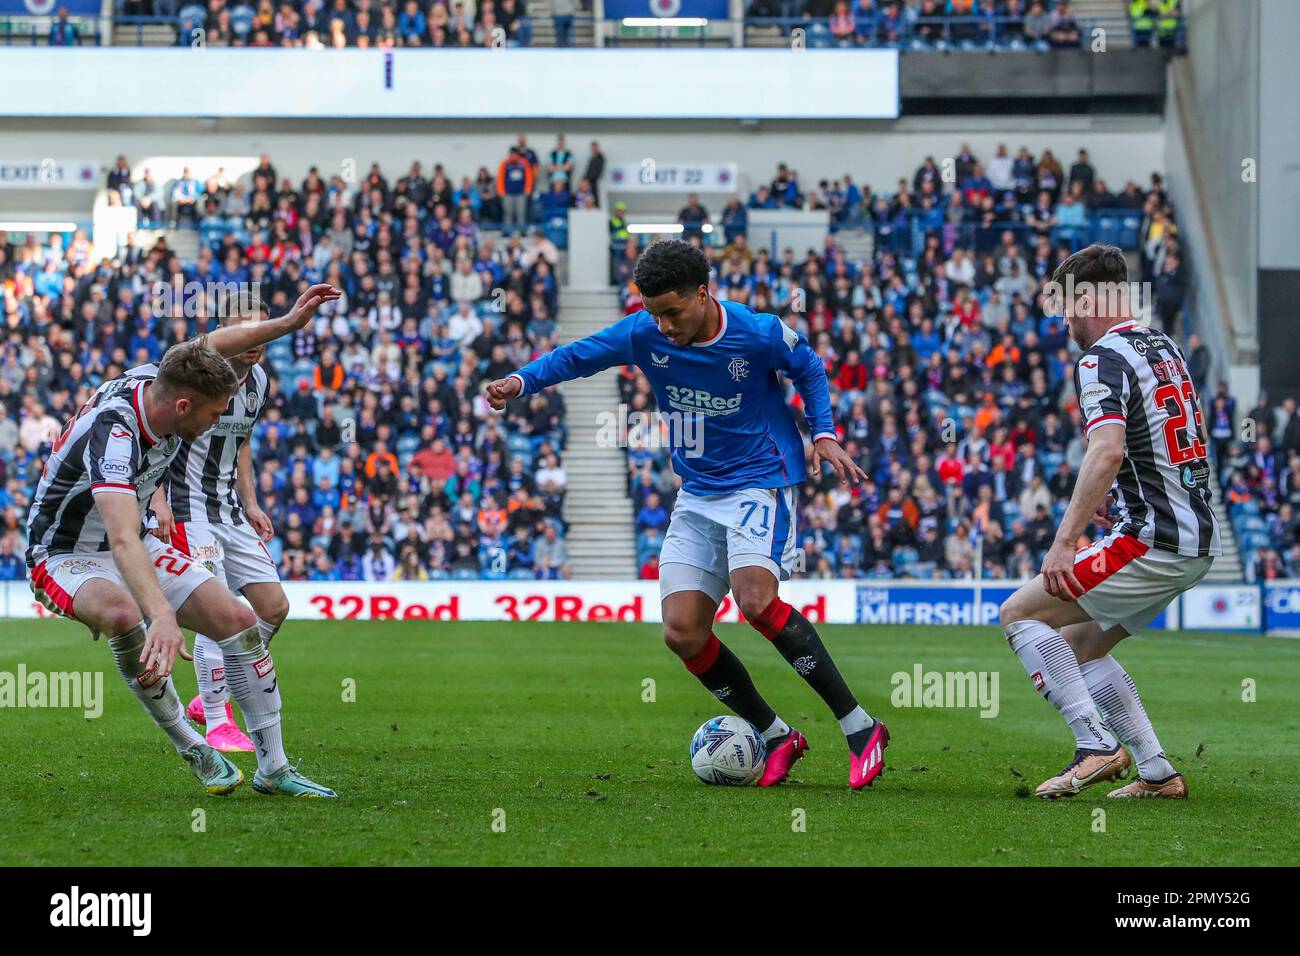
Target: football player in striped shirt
x,y
206,508
1146,456
90,559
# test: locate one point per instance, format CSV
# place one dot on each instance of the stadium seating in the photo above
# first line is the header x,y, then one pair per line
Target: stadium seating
x,y
962,383
1000,26
931,413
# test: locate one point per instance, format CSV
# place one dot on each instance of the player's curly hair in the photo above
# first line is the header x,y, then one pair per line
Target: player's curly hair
x,y
671,266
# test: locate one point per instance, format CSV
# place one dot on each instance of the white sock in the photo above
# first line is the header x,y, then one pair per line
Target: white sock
x,y
250,672
1054,669
778,730
1121,707
210,668
157,696
267,630
856,720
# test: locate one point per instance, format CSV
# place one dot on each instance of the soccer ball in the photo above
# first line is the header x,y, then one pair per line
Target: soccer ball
x,y
728,751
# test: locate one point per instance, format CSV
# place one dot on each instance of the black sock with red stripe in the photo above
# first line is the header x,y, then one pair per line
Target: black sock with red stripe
x,y
799,643
725,676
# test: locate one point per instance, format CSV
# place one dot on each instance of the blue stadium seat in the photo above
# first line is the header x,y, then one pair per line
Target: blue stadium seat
x,y
241,20
1106,229
1130,227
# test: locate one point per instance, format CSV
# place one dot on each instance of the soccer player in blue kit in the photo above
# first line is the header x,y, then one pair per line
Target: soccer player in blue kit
x,y
733,526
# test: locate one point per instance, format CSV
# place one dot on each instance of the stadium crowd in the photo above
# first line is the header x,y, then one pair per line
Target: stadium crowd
x,y
375,456
1036,25
957,24
385,24
950,384
527,188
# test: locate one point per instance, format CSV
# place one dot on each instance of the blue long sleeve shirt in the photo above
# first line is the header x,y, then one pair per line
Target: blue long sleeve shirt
x,y
730,427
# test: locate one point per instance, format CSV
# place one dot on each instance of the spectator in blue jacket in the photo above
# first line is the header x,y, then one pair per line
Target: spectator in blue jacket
x,y
63,33
411,24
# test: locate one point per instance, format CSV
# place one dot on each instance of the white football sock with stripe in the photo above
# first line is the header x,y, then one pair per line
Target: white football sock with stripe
x,y
250,672
1054,669
1121,707
210,669
267,630
158,697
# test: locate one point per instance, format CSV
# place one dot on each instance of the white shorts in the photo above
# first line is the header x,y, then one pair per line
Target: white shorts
x,y
1129,584
713,535
234,553
56,580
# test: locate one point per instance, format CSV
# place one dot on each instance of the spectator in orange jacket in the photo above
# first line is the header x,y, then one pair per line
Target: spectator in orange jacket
x,y
328,376
515,181
372,460
1004,351
986,414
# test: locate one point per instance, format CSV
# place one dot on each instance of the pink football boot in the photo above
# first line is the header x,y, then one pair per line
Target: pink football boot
x,y
870,764
195,711
228,738
781,757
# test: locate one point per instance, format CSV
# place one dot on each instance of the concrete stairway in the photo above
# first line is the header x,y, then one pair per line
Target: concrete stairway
x,y
1109,14
859,245
581,35
602,536
183,242
1227,569
148,34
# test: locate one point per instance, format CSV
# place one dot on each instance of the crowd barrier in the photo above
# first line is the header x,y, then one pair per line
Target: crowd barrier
x,y
1272,608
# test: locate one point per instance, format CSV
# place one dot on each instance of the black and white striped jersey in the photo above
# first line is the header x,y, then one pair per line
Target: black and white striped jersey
x,y
201,484
107,448
1138,377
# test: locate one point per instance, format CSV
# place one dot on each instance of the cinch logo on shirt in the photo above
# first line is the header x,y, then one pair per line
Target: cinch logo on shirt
x,y
701,402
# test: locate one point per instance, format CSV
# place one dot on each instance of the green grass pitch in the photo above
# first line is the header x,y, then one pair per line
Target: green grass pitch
x,y
543,728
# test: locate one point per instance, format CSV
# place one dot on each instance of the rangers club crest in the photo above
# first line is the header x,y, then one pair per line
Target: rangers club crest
x,y
738,368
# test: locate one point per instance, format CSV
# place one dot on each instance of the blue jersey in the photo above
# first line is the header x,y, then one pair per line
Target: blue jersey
x,y
728,387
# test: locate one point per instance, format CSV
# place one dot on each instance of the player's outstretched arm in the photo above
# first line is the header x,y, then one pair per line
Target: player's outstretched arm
x,y
1101,464
608,347
232,340
163,641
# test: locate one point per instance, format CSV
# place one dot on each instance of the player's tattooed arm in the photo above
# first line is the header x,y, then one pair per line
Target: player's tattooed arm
x,y
233,340
1101,463
247,490
121,514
